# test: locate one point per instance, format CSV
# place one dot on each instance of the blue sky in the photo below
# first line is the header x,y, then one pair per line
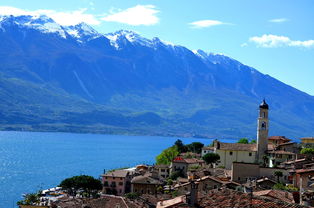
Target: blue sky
x,y
274,36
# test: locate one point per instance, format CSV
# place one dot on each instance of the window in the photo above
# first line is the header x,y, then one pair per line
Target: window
x,y
263,125
250,154
121,179
120,183
239,178
264,114
215,186
230,153
113,184
163,170
120,191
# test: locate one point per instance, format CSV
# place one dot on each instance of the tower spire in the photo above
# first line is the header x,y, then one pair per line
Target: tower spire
x,y
262,130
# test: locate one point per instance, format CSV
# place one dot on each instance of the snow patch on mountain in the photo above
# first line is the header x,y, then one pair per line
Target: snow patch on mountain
x,y
37,22
82,32
118,40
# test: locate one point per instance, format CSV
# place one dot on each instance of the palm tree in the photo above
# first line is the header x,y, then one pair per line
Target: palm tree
x,y
278,174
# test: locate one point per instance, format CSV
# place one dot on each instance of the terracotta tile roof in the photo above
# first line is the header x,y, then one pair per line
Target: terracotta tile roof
x,y
280,152
161,166
265,179
145,180
117,173
187,160
171,202
106,201
286,143
304,171
283,138
208,148
230,198
276,194
237,147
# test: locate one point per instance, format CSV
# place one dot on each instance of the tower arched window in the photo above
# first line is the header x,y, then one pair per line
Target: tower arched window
x,y
264,114
263,127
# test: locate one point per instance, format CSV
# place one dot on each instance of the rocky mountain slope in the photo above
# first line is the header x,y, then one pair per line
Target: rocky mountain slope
x,y
73,78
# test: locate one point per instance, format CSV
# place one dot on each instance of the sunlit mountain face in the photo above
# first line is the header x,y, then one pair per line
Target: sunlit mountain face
x,y
73,78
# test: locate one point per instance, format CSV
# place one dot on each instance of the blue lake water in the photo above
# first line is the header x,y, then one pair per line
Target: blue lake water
x,y
31,161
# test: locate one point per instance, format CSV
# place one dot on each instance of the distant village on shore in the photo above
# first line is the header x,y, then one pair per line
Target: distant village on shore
x,y
271,171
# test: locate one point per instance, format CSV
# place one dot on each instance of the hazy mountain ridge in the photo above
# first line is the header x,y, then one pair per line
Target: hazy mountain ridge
x,y
122,82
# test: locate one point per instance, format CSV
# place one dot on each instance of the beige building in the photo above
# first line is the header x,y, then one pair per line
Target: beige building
x,y
183,165
242,172
162,170
307,141
117,182
247,153
234,152
206,150
145,184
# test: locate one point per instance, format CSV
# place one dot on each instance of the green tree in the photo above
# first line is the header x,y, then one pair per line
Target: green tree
x,y
211,158
30,199
253,141
167,155
243,141
181,147
176,174
89,184
195,147
132,195
278,174
309,152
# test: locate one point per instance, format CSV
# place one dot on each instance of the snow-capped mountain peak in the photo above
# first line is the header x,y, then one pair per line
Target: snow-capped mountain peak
x,y
37,22
82,32
118,39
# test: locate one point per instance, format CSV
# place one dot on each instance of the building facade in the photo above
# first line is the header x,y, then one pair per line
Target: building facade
x,y
117,182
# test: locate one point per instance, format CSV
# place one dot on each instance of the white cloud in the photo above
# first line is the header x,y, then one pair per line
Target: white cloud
x,y
138,15
206,23
63,18
275,41
279,20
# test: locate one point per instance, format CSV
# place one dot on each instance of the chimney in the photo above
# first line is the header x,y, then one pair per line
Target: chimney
x,y
192,200
104,171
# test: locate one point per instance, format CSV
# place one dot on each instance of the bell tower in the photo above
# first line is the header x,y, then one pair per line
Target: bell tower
x,y
262,130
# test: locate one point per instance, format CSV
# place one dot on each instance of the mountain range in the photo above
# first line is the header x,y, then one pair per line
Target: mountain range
x,y
73,78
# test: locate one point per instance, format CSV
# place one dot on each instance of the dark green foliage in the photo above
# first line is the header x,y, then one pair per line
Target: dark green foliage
x,y
278,174
211,158
181,147
253,141
88,183
307,151
195,147
280,186
243,141
30,199
176,174
169,181
132,195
